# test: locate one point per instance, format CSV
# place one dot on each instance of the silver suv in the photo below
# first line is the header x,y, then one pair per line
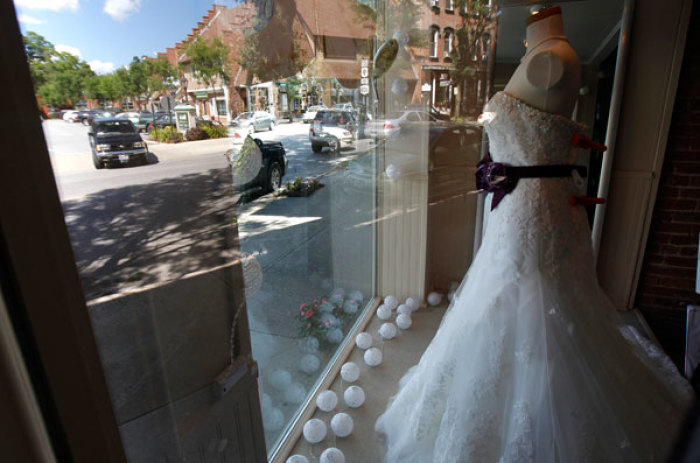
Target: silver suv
x,y
334,128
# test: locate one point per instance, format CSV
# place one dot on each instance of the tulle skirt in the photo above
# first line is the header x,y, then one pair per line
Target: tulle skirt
x,y
534,364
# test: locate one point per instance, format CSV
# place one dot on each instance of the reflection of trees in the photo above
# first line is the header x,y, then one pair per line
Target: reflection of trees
x,y
126,238
273,48
471,54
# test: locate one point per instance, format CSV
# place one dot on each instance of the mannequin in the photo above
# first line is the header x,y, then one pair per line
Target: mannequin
x,y
548,77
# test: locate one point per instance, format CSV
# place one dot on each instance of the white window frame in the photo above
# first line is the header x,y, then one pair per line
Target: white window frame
x,y
449,41
434,41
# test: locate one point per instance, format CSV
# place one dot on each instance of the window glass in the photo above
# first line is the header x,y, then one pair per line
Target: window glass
x,y
244,225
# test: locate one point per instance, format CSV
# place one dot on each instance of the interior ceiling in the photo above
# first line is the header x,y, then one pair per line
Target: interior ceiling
x,y
587,23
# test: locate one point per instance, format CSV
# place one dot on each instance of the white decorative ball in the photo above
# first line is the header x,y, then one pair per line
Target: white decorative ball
x,y
391,302
266,401
336,299
393,172
357,296
350,306
383,312
332,455
334,336
403,321
354,396
280,379
404,309
387,330
297,459
413,303
309,363
342,424
363,340
373,357
295,393
450,295
350,372
326,401
273,419
314,431
434,298
326,307
309,345
339,292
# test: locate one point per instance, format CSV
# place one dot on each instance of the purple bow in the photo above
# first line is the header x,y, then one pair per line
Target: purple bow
x,y
491,177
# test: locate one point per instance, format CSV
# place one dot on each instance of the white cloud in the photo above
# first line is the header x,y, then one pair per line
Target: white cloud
x,y
68,49
53,5
23,18
119,10
100,67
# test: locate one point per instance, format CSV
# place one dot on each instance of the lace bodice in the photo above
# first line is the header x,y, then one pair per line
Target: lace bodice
x,y
520,134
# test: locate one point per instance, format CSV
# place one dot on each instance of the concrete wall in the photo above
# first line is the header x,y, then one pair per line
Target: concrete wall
x,y
162,349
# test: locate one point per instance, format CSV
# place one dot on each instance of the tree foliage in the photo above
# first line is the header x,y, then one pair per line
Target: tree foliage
x,y
472,36
208,60
61,78
273,49
58,77
147,76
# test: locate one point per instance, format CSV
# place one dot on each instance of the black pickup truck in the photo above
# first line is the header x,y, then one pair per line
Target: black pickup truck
x,y
256,165
116,141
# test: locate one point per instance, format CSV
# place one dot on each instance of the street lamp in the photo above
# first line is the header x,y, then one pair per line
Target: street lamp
x,y
183,84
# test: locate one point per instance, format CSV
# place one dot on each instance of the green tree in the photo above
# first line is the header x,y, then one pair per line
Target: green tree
x,y
470,53
207,61
66,79
58,77
39,52
123,84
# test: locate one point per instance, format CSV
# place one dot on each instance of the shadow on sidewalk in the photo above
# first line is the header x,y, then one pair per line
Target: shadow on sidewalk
x,y
125,238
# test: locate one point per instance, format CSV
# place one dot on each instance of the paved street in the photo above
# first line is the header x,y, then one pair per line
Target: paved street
x,y
138,225
70,155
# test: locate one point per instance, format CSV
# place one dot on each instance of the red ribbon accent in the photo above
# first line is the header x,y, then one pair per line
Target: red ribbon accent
x,y
586,143
585,200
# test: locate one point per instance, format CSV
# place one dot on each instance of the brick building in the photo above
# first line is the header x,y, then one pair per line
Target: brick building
x,y
435,63
221,100
329,36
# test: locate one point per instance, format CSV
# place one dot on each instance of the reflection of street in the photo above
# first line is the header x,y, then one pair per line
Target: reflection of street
x,y
142,225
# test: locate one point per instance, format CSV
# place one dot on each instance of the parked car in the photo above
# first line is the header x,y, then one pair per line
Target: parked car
x,y
135,119
146,118
163,120
114,140
452,152
88,115
344,106
254,121
71,116
257,166
310,114
333,128
385,127
200,121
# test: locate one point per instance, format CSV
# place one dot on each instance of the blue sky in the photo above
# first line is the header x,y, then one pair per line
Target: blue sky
x,y
108,33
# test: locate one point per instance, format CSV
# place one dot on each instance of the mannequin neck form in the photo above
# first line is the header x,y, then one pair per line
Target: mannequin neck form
x,y
544,29
549,75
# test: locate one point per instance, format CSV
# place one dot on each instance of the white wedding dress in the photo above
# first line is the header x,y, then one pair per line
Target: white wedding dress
x,y
531,362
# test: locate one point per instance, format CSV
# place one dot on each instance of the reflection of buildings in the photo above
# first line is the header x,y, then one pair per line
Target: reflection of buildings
x,y
330,35
435,63
221,100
